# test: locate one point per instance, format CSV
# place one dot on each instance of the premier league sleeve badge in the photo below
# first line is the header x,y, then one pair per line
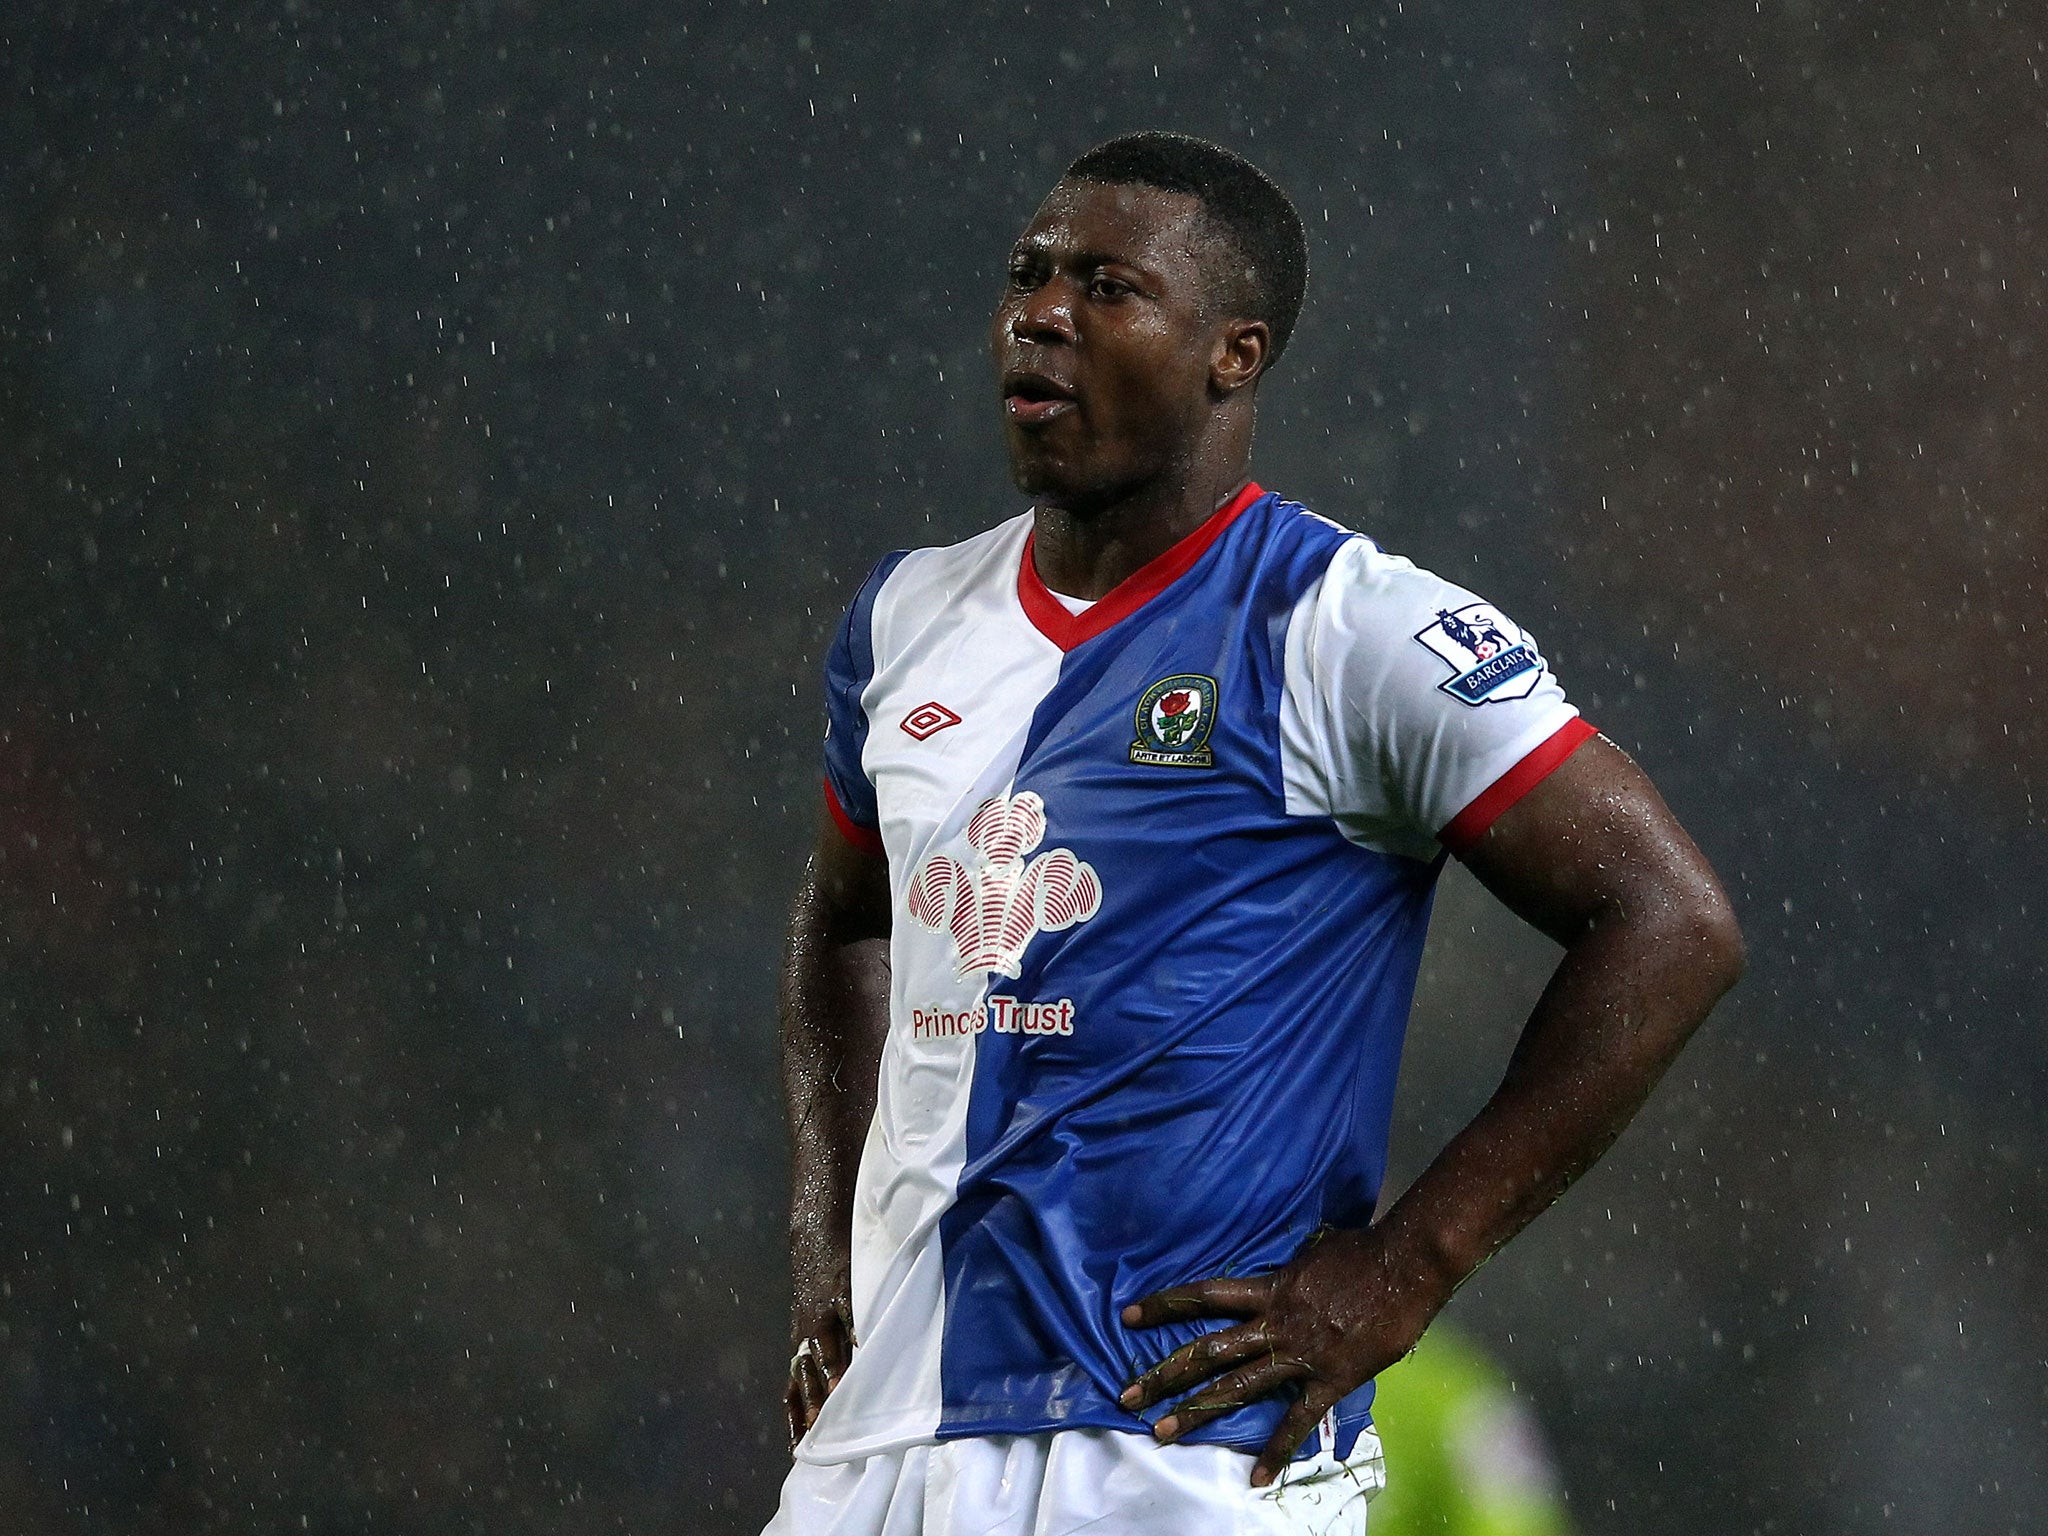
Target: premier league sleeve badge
x,y
1489,657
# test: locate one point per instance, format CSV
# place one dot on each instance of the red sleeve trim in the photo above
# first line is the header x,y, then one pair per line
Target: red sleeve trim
x,y
866,839
1470,824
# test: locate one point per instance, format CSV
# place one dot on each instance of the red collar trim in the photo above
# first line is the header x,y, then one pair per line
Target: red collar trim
x,y
1067,630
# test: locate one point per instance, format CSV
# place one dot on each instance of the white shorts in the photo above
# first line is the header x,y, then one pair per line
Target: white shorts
x,y
1101,1481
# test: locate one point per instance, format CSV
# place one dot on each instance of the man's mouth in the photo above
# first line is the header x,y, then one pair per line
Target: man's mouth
x,y
1033,399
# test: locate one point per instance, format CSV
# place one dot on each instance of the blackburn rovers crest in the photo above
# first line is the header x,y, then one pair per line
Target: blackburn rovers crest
x,y
1175,716
1489,657
995,904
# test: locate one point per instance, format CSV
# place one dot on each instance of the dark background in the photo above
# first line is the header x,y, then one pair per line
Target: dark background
x,y
435,440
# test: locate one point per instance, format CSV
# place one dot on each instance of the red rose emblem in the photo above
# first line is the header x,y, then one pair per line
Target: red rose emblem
x,y
1176,703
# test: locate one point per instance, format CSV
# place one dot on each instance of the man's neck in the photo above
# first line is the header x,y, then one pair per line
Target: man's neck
x,y
1087,555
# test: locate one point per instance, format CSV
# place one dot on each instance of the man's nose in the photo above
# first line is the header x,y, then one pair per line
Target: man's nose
x,y
1045,314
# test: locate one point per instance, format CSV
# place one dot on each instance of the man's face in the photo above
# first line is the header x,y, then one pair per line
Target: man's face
x,y
1102,343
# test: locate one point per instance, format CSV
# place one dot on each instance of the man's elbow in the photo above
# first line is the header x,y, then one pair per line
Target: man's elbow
x,y
1716,939
1731,948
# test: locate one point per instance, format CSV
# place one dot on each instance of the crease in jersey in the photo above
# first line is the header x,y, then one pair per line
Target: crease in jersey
x,y
1218,620
1061,1175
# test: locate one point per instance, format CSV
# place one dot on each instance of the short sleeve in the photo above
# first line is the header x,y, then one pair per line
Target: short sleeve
x,y
1414,712
849,668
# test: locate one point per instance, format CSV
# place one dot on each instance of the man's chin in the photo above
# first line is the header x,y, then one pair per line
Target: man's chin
x,y
1053,484
1035,477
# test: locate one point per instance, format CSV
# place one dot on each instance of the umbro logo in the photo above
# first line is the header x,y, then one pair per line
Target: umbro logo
x,y
928,720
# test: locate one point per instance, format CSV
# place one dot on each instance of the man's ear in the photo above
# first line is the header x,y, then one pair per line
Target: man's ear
x,y
1242,350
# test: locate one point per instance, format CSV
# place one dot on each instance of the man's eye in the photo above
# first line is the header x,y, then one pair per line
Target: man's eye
x,y
1023,277
1108,288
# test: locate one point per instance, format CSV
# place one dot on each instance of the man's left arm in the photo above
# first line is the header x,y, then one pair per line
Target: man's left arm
x,y
1594,858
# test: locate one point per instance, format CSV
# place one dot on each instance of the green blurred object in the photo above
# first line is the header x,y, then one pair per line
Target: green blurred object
x,y
1464,1454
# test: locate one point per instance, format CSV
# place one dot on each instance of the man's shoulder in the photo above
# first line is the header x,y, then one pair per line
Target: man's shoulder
x,y
1366,602
1004,534
909,591
946,567
1355,562
1299,520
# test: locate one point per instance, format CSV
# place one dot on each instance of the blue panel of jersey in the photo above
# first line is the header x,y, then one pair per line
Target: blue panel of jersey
x,y
849,668
1239,1004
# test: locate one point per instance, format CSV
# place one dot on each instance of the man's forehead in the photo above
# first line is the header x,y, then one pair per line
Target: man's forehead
x,y
1129,220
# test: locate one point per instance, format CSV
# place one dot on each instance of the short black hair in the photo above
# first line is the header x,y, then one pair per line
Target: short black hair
x,y
1246,205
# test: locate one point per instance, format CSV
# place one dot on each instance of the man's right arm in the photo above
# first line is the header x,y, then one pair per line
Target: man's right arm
x,y
835,1016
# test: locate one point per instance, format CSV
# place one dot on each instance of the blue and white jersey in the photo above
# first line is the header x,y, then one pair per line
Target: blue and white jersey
x,y
1160,873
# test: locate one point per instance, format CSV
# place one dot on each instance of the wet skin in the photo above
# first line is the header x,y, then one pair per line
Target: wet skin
x,y
1127,411
1126,393
1128,414
1594,858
